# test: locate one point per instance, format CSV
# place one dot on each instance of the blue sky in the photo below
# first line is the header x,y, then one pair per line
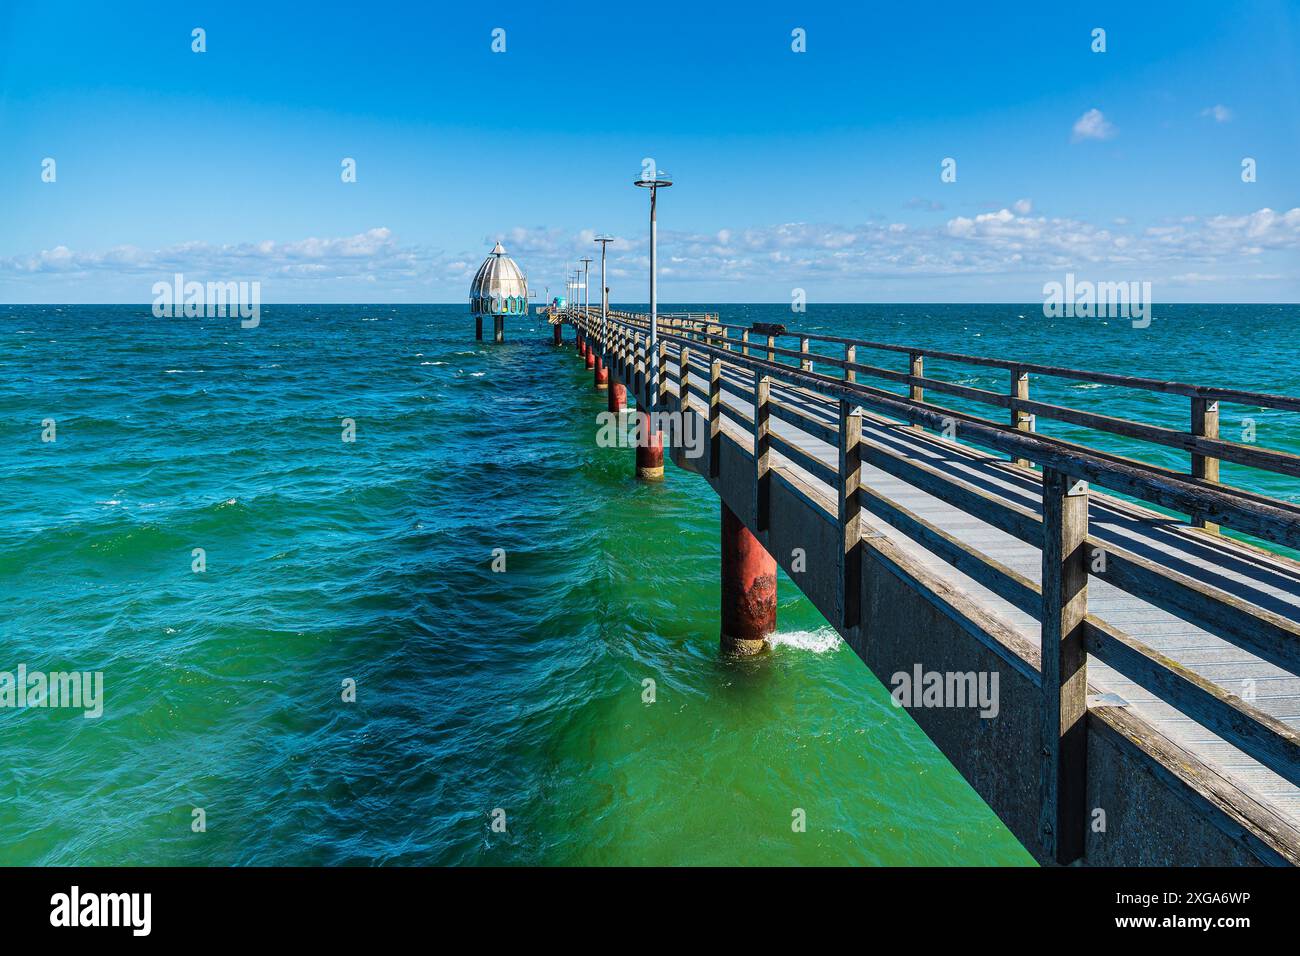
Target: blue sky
x,y
817,170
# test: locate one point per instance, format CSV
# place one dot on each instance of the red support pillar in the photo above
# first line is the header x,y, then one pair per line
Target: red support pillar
x,y
617,396
558,331
582,345
649,449
748,588
590,356
602,374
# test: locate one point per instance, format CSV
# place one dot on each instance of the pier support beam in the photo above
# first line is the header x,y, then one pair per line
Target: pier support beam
x,y
649,449
478,328
617,397
602,374
558,331
498,328
590,356
748,588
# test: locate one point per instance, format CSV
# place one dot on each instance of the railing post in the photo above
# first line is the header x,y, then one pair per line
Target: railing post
x,y
850,508
850,355
715,417
805,364
916,369
744,341
1064,665
726,339
638,370
771,341
661,400
1205,424
684,380
1021,420
762,454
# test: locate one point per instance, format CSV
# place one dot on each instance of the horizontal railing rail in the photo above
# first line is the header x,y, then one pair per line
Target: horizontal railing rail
x,y
1201,440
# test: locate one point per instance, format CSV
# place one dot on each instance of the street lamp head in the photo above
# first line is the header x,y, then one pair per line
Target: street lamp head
x,y
603,238
662,180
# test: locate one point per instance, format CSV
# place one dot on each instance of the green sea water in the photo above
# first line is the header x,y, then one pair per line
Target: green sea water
x,y
371,561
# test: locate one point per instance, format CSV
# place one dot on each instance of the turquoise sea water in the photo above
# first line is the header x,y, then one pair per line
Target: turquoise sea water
x,y
371,561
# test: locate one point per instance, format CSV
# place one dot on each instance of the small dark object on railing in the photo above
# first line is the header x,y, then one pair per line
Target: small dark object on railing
x,y
768,328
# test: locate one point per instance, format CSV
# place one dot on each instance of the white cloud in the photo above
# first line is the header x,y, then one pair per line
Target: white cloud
x,y
1008,241
1219,112
1093,125
370,252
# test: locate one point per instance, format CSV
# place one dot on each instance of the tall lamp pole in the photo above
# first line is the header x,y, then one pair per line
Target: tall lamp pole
x,y
661,180
586,284
604,305
602,370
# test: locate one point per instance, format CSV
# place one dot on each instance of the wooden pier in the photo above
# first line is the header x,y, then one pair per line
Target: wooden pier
x,y
1149,705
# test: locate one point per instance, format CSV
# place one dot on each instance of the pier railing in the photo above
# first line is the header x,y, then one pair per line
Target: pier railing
x,y
1201,439
700,359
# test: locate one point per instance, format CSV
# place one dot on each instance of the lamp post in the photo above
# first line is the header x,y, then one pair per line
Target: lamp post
x,y
617,392
650,443
573,294
604,306
659,181
586,285
593,356
581,291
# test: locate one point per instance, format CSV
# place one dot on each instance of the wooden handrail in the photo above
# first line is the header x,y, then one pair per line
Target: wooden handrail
x,y
1210,393
1201,440
1263,517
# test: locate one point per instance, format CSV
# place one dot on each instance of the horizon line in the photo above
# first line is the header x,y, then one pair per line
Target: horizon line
x,y
662,305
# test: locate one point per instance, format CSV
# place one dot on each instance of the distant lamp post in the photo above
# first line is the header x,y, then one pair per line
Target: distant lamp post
x,y
586,285
604,305
617,391
660,181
